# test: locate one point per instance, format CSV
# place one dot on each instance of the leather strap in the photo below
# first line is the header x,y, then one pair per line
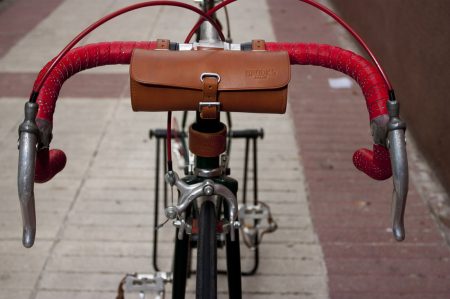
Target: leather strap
x,y
162,44
210,86
207,144
209,112
258,45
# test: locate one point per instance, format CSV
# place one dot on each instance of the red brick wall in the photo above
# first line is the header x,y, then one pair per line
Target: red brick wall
x,y
412,40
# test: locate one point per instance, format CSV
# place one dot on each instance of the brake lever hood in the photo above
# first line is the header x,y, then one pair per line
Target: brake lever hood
x,y
399,164
28,139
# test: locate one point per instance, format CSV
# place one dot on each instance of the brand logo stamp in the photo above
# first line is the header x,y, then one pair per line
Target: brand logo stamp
x,y
261,74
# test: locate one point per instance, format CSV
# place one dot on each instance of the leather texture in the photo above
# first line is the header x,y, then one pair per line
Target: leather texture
x,y
162,44
258,45
252,81
207,144
210,86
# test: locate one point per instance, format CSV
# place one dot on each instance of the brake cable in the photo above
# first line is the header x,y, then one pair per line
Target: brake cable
x,y
328,12
38,85
324,9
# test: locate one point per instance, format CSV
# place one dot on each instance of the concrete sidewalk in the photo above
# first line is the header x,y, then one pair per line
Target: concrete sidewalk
x,y
95,218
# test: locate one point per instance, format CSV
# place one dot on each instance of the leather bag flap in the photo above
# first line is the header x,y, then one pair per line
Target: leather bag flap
x,y
238,70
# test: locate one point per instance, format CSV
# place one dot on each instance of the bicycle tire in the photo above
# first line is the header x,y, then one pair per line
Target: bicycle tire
x,y
233,259
181,266
206,284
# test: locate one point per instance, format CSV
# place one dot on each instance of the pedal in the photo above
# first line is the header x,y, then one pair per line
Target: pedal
x,y
152,285
256,221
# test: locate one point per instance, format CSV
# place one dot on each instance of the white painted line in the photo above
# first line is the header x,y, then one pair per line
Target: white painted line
x,y
340,83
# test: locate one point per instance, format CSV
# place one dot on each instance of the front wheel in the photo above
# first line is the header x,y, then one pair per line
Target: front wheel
x,y
181,266
207,253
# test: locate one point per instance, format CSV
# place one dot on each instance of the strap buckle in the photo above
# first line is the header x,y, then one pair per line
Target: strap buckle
x,y
209,110
203,75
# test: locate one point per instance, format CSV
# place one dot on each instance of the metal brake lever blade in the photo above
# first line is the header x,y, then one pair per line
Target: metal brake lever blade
x,y
399,163
28,139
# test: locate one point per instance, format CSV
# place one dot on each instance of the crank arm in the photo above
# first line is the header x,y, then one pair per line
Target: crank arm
x,y
28,139
399,163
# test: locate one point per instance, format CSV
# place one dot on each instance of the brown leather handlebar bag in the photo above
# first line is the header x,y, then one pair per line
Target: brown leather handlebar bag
x,y
246,81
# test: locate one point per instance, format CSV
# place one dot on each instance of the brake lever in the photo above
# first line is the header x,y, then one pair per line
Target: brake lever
x,y
28,140
399,162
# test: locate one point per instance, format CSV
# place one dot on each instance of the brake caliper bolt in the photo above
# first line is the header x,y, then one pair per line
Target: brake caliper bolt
x,y
171,212
208,190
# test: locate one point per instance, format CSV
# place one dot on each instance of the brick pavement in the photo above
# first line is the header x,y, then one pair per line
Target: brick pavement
x,y
350,212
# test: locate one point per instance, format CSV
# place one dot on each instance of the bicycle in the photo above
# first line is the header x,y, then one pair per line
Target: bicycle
x,y
207,204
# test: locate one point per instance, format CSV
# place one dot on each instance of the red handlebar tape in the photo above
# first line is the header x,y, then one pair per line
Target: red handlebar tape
x,y
48,164
79,59
374,88
365,74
